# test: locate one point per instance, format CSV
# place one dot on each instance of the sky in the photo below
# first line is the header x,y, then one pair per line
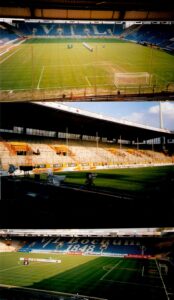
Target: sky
x,y
146,113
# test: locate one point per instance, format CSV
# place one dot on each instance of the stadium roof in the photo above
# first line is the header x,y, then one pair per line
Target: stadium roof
x,y
61,118
103,232
89,9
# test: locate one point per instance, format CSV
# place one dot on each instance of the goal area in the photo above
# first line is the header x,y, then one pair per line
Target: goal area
x,y
132,79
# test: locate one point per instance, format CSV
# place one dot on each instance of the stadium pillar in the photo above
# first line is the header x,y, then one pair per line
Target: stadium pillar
x,y
97,139
24,130
162,139
150,64
32,70
95,70
166,141
67,139
162,142
120,141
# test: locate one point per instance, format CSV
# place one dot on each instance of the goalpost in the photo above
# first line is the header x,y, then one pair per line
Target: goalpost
x,y
132,79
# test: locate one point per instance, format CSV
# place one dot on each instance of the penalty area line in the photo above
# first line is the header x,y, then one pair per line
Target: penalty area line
x,y
88,81
40,78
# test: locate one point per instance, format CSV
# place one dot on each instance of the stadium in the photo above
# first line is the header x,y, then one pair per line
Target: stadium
x,y
62,152
59,51
86,199
87,264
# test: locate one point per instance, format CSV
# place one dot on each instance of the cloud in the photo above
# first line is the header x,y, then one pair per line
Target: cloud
x,y
151,116
143,118
136,117
167,109
167,113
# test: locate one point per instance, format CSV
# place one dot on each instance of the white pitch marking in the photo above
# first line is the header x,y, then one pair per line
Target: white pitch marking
x,y
9,56
16,267
142,273
75,296
110,270
164,286
40,77
87,80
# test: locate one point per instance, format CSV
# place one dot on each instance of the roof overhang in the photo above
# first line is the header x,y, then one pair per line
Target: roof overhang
x,y
89,9
61,118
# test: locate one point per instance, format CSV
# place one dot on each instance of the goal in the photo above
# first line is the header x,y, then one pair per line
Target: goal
x,y
132,79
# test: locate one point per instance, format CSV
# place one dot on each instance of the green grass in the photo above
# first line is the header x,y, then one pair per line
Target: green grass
x,y
133,180
105,277
41,64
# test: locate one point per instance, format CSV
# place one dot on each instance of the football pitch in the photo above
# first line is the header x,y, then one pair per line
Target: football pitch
x,y
135,181
90,276
49,67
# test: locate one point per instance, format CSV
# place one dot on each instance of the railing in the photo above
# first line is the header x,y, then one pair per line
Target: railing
x,y
94,93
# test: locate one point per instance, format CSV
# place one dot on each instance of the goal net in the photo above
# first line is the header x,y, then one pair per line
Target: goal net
x,y
132,79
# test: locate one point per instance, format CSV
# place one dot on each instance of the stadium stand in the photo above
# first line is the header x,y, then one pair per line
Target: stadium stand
x,y
65,29
110,242
10,245
106,246
77,154
140,261
160,35
126,80
151,34
60,154
61,29
6,35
